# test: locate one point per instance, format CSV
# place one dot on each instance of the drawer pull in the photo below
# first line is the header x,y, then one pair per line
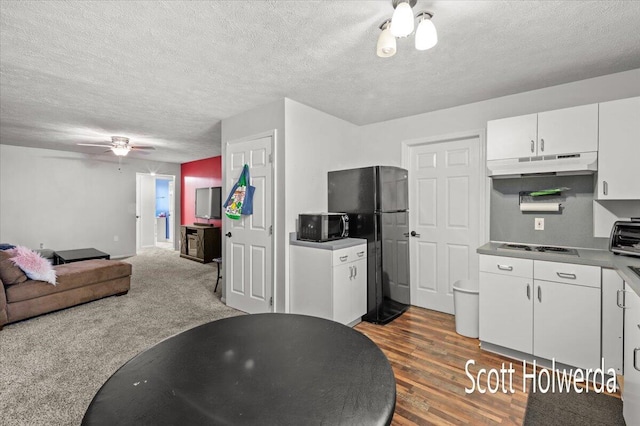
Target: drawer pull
x,y
505,267
635,358
343,258
360,253
567,276
620,305
528,292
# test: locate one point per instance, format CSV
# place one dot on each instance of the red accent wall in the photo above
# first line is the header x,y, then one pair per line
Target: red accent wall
x,y
198,174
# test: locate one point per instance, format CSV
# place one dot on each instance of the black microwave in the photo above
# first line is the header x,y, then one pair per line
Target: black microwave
x,y
321,227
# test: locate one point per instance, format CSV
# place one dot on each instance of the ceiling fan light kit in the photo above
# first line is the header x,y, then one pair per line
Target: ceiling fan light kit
x,y
119,146
402,25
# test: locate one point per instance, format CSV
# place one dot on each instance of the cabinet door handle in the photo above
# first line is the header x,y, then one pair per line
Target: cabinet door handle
x,y
343,258
567,276
635,358
605,187
533,145
350,272
542,145
620,305
528,292
539,294
355,271
505,267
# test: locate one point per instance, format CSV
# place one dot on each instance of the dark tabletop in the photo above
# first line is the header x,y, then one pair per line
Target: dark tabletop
x,y
84,253
263,369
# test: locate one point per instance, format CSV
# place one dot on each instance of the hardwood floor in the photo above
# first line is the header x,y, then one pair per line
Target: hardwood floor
x,y
428,359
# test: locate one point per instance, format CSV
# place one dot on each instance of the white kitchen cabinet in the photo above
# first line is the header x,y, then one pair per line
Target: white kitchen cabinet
x,y
631,390
612,320
566,324
329,284
547,309
563,131
506,311
512,137
619,150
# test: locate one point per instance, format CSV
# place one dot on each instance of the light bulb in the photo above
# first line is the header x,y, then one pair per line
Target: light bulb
x,y
386,43
426,34
402,20
120,150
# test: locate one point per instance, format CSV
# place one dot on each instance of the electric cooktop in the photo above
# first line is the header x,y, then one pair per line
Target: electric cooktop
x,y
539,249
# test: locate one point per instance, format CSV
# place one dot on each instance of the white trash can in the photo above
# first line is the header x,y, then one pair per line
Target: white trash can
x,y
466,298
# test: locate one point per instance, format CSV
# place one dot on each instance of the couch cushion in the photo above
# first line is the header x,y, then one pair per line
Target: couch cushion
x,y
70,275
9,273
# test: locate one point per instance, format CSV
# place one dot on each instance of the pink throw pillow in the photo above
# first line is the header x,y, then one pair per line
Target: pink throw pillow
x,y
34,266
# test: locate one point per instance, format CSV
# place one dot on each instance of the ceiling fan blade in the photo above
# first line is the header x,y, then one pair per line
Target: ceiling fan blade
x,y
142,147
95,144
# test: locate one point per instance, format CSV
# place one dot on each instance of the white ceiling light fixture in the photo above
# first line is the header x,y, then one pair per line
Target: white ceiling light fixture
x,y
402,20
386,41
120,146
426,34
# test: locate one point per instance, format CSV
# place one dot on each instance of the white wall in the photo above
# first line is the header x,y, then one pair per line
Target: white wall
x,y
68,200
381,142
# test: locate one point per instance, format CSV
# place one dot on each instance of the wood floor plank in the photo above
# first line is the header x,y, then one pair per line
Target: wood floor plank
x,y
428,359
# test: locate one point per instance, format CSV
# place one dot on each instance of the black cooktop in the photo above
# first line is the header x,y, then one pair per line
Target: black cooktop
x,y
540,249
636,270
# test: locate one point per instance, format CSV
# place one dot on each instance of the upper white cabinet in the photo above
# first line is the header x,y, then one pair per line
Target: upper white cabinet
x,y
512,137
563,131
619,150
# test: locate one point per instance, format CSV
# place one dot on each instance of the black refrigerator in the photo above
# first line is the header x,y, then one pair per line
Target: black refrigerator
x,y
376,200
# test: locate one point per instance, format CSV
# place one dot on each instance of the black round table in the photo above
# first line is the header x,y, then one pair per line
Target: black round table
x,y
263,369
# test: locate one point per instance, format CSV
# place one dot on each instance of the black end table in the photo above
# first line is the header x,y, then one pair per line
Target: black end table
x,y
262,369
68,256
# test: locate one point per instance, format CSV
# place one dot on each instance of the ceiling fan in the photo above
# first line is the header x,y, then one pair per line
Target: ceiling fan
x,y
119,146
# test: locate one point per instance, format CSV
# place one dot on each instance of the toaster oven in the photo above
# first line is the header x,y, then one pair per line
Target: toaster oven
x,y
625,237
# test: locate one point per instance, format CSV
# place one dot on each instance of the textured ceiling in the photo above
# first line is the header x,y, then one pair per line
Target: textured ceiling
x,y
166,73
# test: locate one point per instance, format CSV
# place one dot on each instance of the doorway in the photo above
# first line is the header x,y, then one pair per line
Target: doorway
x,y
447,204
155,211
248,259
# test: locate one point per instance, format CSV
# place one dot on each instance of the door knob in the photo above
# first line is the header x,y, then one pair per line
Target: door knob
x,y
228,234
414,234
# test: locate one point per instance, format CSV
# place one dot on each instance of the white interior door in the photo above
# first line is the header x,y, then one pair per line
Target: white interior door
x,y
248,243
172,209
444,204
146,210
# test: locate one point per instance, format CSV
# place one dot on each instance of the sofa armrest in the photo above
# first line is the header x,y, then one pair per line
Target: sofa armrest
x,y
3,306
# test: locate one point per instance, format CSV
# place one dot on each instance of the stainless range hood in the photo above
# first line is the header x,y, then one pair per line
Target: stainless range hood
x,y
560,165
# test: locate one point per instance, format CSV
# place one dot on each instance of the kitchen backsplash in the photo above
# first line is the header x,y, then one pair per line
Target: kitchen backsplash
x,y
571,226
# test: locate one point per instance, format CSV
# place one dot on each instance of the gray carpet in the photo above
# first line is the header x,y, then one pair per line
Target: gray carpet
x,y
566,409
51,366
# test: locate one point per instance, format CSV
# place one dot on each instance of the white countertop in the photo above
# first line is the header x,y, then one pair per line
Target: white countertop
x,y
603,258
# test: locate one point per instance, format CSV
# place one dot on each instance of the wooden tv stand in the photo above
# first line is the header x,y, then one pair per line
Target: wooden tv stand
x,y
200,243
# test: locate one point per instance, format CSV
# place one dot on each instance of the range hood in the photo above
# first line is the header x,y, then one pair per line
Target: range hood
x,y
560,165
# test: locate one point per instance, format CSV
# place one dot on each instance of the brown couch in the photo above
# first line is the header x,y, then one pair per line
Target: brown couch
x,y
77,282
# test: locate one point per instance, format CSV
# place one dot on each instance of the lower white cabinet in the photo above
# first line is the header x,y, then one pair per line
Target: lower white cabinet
x,y
506,311
566,324
631,391
329,284
556,317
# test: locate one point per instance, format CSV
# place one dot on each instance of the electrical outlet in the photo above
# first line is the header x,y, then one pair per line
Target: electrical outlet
x,y
41,245
116,238
539,224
